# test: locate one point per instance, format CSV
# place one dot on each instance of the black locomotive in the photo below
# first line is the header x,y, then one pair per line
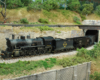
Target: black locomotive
x,y
42,45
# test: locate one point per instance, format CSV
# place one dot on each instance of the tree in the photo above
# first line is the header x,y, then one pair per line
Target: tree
x,y
64,2
50,5
98,10
87,8
36,5
26,2
11,4
73,5
3,13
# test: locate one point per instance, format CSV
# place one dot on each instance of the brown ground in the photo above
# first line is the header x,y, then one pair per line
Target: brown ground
x,y
95,66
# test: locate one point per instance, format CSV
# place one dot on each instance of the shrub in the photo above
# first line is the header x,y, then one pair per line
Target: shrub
x,y
84,54
76,19
95,76
98,10
83,17
50,5
24,21
43,28
70,61
88,8
34,5
89,54
74,5
41,20
11,4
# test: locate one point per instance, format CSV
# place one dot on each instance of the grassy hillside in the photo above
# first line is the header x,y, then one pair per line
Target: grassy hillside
x,y
57,16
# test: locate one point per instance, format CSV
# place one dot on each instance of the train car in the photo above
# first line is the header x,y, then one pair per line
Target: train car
x,y
79,42
63,44
92,39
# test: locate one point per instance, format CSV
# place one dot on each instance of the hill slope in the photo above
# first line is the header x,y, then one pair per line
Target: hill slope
x,y
54,17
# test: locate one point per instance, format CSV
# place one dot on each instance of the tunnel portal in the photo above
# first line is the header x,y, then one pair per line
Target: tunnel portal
x,y
93,32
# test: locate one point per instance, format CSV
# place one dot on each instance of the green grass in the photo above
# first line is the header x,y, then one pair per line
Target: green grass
x,y
45,28
49,14
66,13
58,31
20,66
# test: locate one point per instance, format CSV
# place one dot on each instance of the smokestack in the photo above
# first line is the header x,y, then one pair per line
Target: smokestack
x,y
28,36
17,37
13,36
22,37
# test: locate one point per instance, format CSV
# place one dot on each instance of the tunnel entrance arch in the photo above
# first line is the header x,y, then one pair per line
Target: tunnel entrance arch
x,y
93,32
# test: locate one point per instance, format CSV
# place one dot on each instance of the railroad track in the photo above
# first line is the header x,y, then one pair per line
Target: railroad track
x,y
41,57
50,25
35,25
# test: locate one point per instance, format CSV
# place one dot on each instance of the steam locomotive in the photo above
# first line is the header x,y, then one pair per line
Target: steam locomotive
x,y
42,45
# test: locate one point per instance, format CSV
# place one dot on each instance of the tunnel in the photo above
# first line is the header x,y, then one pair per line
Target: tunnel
x,y
93,32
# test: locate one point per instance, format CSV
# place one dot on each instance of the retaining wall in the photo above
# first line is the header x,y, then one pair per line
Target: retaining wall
x,y
77,72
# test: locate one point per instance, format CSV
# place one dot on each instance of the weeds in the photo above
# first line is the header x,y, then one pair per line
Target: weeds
x,y
95,76
45,28
24,21
41,20
76,20
20,66
49,14
70,61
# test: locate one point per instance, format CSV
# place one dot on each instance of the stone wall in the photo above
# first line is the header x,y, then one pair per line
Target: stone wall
x,y
77,72
91,22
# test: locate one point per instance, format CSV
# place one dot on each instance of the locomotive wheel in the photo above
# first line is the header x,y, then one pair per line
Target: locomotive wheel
x,y
42,51
39,52
35,52
46,50
24,52
30,53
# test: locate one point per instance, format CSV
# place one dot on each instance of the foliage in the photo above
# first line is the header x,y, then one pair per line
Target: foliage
x,y
83,17
45,28
94,53
70,61
84,54
20,66
26,2
66,13
76,19
49,14
98,10
24,21
87,8
73,5
35,5
50,5
11,4
95,76
41,20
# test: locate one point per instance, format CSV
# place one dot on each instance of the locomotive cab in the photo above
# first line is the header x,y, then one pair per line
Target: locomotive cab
x,y
48,42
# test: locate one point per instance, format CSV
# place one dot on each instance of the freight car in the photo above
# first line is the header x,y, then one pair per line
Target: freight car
x,y
43,45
